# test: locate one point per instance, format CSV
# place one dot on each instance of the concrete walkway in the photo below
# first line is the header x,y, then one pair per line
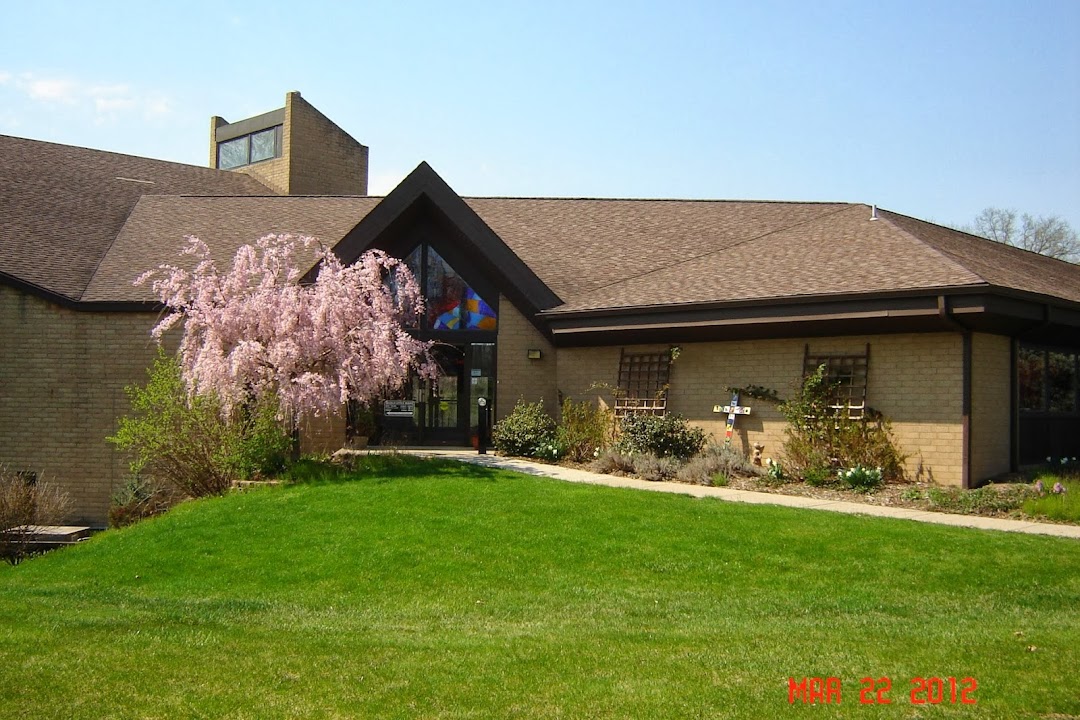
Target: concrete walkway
x,y
758,498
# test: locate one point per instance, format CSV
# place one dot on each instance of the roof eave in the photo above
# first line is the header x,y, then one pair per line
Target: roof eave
x,y
980,308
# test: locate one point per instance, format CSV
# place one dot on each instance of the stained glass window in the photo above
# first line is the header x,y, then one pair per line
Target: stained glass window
x,y
451,303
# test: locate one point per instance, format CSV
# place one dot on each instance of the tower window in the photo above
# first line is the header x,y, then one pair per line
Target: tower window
x,y
252,148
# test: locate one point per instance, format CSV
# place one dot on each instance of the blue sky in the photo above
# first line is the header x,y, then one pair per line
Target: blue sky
x,y
932,109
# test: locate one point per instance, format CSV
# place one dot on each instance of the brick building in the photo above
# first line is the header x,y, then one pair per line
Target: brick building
x,y
969,347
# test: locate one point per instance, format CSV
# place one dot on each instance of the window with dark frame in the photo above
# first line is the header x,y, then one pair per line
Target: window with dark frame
x,y
1048,380
452,304
643,383
248,149
847,377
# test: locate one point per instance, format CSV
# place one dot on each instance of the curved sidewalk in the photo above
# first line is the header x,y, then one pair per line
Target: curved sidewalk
x,y
746,496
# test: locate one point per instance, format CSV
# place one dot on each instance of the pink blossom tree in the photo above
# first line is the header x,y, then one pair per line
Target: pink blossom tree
x,y
255,330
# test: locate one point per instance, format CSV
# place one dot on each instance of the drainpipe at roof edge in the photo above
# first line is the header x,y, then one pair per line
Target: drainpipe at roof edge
x,y
965,334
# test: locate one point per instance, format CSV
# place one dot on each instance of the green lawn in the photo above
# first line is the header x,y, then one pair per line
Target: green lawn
x,y
436,590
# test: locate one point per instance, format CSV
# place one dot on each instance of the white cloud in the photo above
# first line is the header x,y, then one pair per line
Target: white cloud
x,y
107,101
49,89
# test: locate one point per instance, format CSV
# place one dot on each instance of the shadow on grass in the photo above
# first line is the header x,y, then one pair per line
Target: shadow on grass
x,y
382,468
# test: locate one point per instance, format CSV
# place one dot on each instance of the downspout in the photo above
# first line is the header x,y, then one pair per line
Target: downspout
x,y
965,423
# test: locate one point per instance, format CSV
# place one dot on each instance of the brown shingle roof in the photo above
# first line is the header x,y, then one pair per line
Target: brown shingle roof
x,y
997,264
580,246
70,224
839,251
62,206
155,231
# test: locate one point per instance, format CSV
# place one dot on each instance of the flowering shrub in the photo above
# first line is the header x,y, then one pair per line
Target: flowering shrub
x,y
527,431
860,478
1057,503
254,331
660,435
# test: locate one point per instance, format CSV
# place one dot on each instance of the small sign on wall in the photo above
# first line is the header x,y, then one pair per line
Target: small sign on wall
x,y
398,408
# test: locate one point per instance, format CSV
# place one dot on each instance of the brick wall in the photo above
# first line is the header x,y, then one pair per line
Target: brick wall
x,y
320,435
991,387
519,377
62,379
323,158
915,380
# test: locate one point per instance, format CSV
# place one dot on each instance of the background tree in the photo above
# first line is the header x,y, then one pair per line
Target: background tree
x,y
1049,236
254,331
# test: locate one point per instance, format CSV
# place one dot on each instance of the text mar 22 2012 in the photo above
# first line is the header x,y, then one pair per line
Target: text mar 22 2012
x,y
877,691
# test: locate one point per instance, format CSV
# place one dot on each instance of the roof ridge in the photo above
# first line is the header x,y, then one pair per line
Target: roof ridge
x,y
726,248
270,196
108,249
654,199
123,155
949,257
975,236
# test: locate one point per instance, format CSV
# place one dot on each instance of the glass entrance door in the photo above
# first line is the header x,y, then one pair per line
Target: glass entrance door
x,y
444,408
443,399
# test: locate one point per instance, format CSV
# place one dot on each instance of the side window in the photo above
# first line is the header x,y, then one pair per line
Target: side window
x,y
1048,379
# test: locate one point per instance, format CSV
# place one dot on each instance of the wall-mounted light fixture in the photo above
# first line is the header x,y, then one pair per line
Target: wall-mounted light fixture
x,y
534,354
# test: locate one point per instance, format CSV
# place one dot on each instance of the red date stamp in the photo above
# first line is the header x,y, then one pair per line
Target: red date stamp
x,y
876,691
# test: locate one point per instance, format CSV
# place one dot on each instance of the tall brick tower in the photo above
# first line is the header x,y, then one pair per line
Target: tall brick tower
x,y
294,150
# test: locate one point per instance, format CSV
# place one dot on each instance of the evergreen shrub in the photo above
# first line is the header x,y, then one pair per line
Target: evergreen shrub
x,y
660,435
528,431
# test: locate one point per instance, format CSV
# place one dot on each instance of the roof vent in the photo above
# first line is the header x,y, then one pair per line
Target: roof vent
x,y
873,212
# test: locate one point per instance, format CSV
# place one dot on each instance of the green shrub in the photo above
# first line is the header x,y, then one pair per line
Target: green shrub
x,y
138,499
583,429
527,431
185,443
655,469
820,436
660,435
817,476
987,499
716,460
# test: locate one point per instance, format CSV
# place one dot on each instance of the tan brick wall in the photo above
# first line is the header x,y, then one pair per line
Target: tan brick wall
x,y
915,380
322,435
990,406
519,377
323,159
62,379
